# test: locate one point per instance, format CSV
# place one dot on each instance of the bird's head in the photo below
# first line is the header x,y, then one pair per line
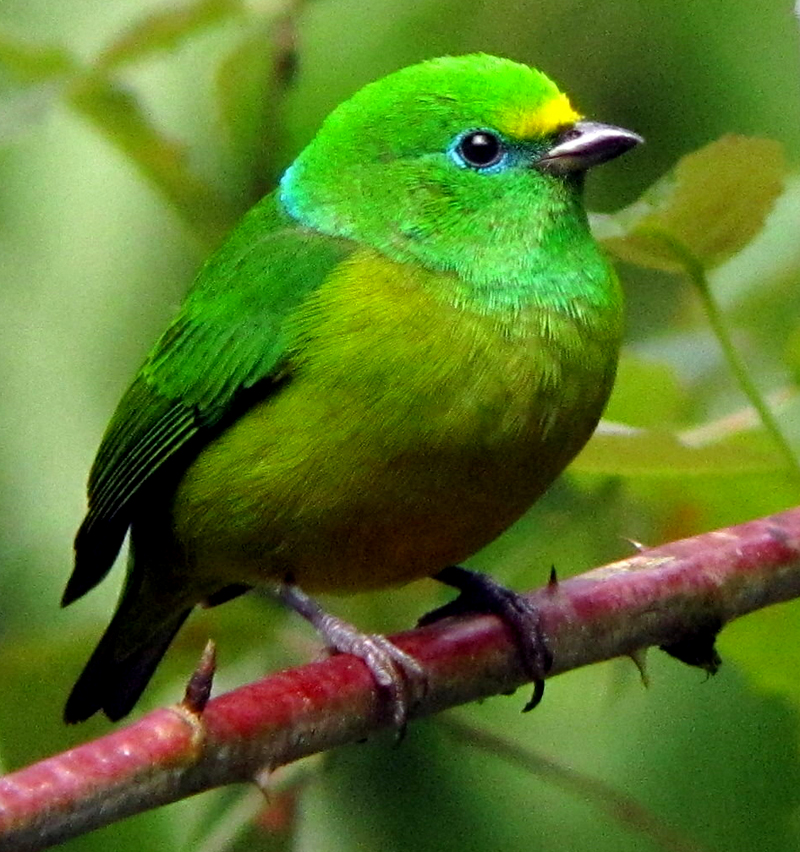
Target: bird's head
x,y
450,158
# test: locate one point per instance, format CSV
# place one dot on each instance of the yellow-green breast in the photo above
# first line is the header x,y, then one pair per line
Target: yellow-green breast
x,y
410,434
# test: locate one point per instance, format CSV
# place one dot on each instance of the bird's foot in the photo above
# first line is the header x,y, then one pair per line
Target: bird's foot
x,y
400,679
479,593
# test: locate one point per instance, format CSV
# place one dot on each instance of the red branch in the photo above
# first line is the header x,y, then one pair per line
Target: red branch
x,y
656,597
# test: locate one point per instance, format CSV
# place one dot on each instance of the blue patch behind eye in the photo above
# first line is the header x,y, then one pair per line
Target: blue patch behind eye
x,y
288,193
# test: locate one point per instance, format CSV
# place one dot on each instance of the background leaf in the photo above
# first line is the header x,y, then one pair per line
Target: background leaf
x,y
713,203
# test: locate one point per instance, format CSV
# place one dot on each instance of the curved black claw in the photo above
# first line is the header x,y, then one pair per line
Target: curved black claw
x,y
400,679
480,593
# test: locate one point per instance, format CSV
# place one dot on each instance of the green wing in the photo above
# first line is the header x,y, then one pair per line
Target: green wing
x,y
227,340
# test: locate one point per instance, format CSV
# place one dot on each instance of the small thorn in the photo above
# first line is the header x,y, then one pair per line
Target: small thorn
x,y
639,657
552,582
637,545
262,780
536,698
198,689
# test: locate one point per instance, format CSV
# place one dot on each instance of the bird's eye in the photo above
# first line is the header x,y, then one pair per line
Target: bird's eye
x,y
481,149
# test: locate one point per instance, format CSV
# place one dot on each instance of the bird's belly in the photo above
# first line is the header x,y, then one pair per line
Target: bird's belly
x,y
395,522
341,498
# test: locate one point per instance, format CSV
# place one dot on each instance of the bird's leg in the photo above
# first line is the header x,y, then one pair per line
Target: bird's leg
x,y
479,593
400,679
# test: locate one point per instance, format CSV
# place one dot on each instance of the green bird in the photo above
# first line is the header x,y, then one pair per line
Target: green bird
x,y
390,359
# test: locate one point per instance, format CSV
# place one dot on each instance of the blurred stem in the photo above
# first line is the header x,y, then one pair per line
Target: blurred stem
x,y
235,821
696,273
118,115
161,30
616,805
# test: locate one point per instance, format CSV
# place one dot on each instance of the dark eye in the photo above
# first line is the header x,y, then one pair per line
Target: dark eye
x,y
481,149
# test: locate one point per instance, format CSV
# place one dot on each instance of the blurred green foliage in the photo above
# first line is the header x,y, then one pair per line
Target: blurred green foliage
x,y
134,132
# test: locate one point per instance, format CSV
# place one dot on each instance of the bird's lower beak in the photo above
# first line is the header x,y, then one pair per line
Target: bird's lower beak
x,y
586,144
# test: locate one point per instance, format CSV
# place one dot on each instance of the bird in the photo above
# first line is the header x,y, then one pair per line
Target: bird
x,y
389,360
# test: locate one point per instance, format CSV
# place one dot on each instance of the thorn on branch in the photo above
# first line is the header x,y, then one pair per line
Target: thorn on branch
x,y
637,545
262,780
198,689
639,657
536,698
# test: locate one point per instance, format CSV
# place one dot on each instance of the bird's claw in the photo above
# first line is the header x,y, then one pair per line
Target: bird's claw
x,y
479,593
400,679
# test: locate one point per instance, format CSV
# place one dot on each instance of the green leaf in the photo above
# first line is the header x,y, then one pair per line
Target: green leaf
x,y
165,29
712,204
28,63
619,450
792,354
766,645
646,393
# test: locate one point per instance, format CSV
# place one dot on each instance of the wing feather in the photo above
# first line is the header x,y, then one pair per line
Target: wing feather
x,y
227,339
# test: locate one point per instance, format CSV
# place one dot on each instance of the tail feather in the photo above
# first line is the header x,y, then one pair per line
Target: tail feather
x,y
113,683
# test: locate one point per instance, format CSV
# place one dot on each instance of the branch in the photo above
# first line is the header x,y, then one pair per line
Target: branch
x,y
676,595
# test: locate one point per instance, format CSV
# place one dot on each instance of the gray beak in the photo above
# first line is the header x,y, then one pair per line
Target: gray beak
x,y
587,144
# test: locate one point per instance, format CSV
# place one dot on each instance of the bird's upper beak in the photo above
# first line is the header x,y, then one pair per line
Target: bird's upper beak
x,y
586,144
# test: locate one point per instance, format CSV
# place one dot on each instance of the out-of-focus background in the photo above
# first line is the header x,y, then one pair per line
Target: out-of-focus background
x,y
102,227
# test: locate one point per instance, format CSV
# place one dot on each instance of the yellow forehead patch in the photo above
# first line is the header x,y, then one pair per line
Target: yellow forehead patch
x,y
552,115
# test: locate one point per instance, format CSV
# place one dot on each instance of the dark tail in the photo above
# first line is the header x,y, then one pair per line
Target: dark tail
x,y
113,683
